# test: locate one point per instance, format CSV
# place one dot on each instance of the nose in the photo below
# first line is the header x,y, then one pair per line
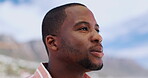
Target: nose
x,y
96,37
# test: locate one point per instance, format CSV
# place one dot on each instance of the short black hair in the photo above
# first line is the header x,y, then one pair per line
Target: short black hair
x,y
54,19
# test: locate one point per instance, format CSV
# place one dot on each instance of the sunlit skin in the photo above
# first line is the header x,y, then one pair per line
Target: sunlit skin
x,y
77,45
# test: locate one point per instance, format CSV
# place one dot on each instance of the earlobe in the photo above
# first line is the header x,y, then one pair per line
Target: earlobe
x,y
51,42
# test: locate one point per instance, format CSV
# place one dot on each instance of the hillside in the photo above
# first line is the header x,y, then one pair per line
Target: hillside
x,y
35,51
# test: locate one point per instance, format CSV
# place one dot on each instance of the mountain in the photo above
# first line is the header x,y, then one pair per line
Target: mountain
x,y
34,51
118,68
29,51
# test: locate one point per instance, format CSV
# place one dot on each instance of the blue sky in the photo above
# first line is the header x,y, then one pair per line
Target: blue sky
x,y
123,23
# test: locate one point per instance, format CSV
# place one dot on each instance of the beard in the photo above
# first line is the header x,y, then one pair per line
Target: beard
x,y
75,51
87,64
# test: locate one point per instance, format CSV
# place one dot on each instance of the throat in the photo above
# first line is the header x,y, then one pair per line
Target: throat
x,y
65,71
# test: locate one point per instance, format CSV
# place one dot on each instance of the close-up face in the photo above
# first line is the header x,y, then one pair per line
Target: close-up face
x,y
80,42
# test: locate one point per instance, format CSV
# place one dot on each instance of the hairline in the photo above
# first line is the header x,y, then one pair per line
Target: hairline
x,y
65,7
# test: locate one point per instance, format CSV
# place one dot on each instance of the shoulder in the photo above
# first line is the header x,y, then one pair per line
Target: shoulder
x,y
41,72
86,76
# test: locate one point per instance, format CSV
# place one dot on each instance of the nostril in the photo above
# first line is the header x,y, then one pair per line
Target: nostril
x,y
97,41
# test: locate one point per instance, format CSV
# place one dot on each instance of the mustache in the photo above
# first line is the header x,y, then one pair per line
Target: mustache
x,y
97,47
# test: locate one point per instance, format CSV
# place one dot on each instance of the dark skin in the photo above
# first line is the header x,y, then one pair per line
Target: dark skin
x,y
77,42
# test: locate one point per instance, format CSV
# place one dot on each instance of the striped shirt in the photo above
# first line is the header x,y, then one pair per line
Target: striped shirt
x,y
41,72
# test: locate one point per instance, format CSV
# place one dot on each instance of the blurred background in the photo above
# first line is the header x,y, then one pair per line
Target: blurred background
x,y
123,26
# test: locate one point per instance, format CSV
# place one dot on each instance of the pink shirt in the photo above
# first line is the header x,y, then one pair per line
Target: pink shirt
x,y
41,72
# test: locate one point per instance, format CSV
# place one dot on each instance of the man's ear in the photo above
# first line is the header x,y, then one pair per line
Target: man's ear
x,y
51,42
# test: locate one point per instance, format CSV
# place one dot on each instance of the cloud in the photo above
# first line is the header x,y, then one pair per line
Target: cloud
x,y
24,21
137,26
28,16
137,52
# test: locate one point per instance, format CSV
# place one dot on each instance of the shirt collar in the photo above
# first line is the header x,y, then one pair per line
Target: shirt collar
x,y
42,72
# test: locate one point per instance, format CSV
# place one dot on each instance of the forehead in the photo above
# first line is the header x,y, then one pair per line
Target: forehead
x,y
79,13
77,10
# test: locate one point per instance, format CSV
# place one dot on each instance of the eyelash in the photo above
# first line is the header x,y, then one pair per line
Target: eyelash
x,y
97,30
84,29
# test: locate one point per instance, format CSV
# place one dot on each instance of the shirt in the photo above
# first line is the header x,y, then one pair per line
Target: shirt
x,y
41,72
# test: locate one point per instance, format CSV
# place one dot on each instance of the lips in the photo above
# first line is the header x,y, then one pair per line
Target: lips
x,y
97,52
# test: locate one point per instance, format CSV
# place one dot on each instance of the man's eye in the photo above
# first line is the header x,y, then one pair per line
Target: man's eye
x,y
84,29
97,30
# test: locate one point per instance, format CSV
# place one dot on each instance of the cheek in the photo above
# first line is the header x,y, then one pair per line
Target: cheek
x,y
80,41
81,44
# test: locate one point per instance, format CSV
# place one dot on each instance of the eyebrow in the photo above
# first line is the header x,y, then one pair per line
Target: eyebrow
x,y
81,22
84,22
97,25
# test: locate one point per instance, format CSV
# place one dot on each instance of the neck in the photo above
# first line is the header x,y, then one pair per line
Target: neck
x,y
60,69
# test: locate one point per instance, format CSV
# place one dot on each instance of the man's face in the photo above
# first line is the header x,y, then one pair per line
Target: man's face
x,y
80,41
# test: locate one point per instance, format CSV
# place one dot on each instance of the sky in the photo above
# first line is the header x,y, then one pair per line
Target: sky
x,y
123,23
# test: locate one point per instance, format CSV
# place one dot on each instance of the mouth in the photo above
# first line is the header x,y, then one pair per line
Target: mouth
x,y
97,52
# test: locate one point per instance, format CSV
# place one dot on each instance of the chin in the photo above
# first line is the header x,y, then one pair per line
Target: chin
x,y
90,65
97,67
